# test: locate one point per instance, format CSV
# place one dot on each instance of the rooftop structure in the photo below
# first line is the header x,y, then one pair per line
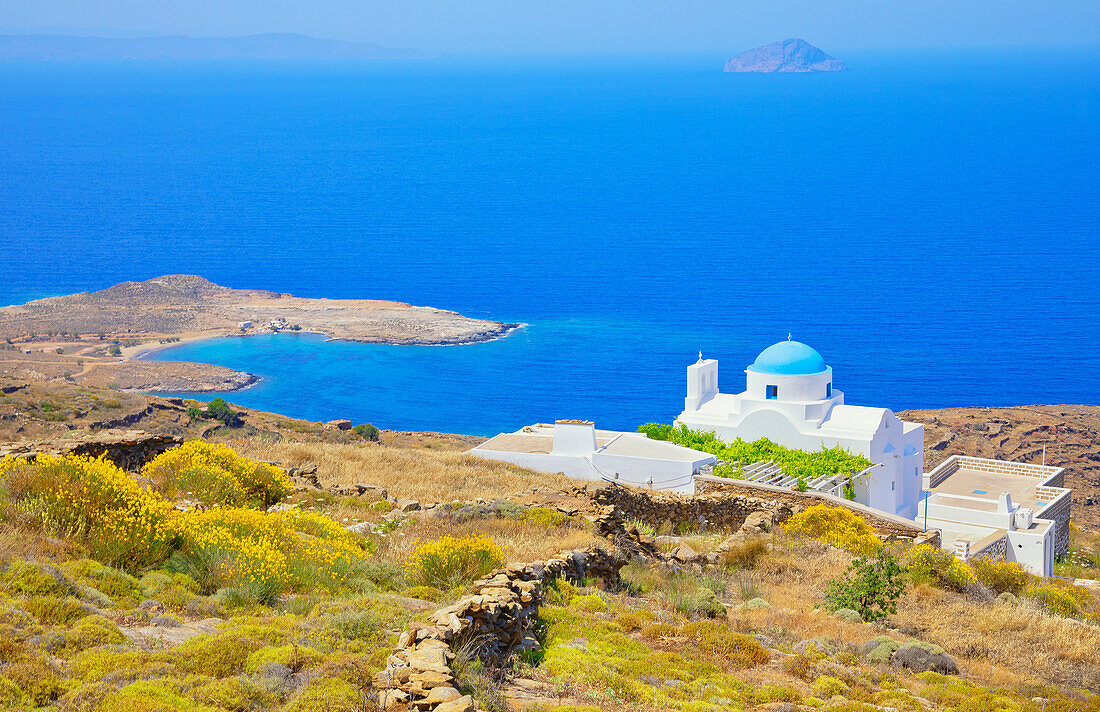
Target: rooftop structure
x,y
789,398
577,449
1009,511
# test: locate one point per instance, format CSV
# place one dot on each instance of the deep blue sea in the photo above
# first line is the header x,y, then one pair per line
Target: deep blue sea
x,y
929,222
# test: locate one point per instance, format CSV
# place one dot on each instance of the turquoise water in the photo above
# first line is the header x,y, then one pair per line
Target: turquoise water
x,y
927,221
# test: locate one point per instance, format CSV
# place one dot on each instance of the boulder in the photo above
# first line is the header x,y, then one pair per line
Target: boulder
x,y
462,704
339,424
922,657
407,505
684,554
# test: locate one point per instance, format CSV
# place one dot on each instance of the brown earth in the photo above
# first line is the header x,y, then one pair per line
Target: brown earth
x,y
1070,434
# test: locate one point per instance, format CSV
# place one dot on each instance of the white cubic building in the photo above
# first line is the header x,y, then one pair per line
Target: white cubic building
x,y
789,398
577,449
1010,511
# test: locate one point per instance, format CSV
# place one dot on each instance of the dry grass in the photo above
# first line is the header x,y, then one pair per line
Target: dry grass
x,y
522,541
425,475
995,644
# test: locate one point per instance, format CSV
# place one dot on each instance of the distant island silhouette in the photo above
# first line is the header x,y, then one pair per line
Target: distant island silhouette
x,y
791,55
267,46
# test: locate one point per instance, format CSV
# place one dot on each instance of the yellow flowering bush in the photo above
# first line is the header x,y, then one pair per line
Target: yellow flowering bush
x,y
450,562
263,554
1001,576
91,500
838,526
217,475
1059,600
927,564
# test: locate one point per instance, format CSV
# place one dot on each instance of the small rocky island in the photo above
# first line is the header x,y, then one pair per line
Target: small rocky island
x,y
793,55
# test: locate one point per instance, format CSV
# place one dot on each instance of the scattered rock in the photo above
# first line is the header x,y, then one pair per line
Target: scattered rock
x,y
339,424
684,553
922,657
462,704
406,506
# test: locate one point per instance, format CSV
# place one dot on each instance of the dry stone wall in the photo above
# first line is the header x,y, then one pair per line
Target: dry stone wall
x,y
496,620
717,510
883,524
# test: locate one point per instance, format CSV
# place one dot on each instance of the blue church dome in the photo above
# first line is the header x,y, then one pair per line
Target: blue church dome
x,y
789,358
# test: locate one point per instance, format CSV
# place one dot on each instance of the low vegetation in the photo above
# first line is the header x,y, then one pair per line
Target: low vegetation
x,y
735,456
205,583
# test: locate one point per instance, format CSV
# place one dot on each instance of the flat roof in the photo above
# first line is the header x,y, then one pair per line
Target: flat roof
x,y
965,482
531,443
634,446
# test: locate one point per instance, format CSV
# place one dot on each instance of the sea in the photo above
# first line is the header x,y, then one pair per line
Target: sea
x,y
929,221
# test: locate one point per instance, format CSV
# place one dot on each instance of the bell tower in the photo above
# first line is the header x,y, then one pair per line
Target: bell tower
x,y
702,382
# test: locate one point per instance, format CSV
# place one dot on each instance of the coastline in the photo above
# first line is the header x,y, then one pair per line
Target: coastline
x,y
110,337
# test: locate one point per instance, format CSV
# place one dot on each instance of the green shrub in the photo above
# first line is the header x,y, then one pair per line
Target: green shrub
x,y
150,696
718,640
590,603
328,695
31,579
218,409
826,687
800,464
367,432
115,583
424,593
90,632
221,655
11,697
296,657
871,587
36,679
53,610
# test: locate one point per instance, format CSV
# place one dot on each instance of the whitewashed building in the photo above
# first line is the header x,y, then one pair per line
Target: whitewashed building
x,y
577,449
790,399
1009,511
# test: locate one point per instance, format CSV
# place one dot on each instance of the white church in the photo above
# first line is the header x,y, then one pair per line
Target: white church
x,y
790,399
1004,510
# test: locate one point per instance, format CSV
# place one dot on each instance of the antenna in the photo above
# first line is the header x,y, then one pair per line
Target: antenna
x,y
700,357
788,336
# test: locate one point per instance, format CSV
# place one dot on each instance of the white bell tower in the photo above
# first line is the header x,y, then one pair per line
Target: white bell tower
x,y
702,382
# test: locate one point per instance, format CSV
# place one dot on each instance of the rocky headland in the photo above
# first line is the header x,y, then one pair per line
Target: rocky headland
x,y
791,55
98,337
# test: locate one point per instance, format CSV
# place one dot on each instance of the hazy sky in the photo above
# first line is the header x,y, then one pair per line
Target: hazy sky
x,y
492,26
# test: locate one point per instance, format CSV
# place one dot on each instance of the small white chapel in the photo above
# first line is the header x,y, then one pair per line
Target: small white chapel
x,y
790,399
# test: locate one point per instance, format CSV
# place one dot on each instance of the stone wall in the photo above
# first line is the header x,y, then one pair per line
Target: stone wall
x,y
996,550
495,620
129,449
1059,512
884,524
716,510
